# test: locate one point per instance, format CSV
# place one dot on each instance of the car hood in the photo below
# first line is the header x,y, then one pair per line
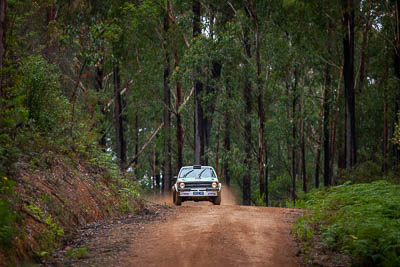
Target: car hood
x,y
196,180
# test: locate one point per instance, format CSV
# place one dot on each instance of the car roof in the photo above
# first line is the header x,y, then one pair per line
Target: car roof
x,y
199,166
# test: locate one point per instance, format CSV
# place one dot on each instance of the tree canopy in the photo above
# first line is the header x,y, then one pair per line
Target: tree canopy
x,y
280,96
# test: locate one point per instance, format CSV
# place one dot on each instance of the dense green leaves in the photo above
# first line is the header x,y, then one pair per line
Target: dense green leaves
x,y
38,83
7,219
58,80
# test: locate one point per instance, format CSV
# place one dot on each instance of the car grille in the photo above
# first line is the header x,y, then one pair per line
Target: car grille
x,y
197,185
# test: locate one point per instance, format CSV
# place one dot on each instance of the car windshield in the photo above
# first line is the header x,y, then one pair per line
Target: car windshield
x,y
197,173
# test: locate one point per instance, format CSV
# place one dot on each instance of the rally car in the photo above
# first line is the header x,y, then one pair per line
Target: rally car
x,y
197,183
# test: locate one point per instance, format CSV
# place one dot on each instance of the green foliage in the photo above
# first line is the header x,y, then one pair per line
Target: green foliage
x,y
39,118
51,237
38,84
7,219
362,220
396,134
278,190
368,171
57,230
35,111
6,185
12,114
77,253
128,191
124,186
7,216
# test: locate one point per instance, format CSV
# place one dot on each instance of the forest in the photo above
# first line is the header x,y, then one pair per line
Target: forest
x,y
279,96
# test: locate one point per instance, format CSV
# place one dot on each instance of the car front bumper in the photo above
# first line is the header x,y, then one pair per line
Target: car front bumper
x,y
198,193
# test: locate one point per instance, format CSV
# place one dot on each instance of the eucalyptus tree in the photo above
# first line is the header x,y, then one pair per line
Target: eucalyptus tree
x,y
348,74
3,30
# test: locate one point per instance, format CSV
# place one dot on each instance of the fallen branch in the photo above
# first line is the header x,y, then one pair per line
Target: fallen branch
x,y
185,101
74,95
144,146
121,93
155,132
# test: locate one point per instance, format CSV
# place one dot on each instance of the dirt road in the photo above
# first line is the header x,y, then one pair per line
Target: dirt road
x,y
207,235
195,234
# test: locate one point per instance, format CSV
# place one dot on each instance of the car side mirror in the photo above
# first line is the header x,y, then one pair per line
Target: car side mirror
x,y
174,179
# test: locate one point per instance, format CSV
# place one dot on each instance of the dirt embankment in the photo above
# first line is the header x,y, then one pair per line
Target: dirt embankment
x,y
53,199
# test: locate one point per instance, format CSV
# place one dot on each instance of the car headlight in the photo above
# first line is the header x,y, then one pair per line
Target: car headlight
x,y
214,185
182,185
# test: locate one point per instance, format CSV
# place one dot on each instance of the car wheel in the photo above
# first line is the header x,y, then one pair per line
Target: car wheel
x,y
217,200
178,199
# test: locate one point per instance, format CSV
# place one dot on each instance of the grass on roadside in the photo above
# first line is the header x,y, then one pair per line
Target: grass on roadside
x,y
361,220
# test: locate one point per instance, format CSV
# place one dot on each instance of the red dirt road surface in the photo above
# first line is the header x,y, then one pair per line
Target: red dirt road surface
x,y
201,234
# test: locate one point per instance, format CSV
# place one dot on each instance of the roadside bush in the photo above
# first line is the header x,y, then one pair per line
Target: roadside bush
x,y
369,171
278,191
38,84
7,229
77,253
361,220
36,117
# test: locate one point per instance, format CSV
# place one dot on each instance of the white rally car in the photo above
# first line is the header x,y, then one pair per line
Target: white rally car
x,y
197,183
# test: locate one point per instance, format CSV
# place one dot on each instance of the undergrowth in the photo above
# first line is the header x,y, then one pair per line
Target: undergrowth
x,y
7,217
39,129
361,220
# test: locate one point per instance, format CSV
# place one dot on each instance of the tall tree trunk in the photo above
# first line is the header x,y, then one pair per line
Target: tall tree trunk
x,y
289,118
217,152
210,107
326,123
198,110
294,129
302,142
3,30
319,142
153,169
198,125
179,128
118,119
210,89
260,101
51,44
136,141
364,51
99,88
341,149
266,173
385,119
318,161
51,12
327,151
247,95
157,167
385,134
348,74
167,166
397,69
227,139
333,133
